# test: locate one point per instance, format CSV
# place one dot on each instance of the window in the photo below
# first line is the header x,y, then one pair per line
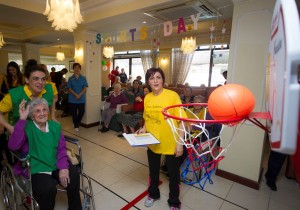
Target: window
x,y
137,69
57,67
199,72
131,63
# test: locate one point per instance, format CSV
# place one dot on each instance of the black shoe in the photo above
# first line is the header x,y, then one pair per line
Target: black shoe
x,y
121,135
101,129
104,129
271,185
64,115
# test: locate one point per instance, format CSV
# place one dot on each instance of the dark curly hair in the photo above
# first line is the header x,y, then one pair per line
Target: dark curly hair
x,y
9,76
150,72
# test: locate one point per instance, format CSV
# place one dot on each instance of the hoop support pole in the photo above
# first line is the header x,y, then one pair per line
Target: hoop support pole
x,y
254,116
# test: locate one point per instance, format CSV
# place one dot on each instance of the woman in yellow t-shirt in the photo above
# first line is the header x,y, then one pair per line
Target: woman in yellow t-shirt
x,y
155,124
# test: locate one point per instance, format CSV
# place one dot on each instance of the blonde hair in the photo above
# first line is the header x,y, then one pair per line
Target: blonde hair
x,y
117,85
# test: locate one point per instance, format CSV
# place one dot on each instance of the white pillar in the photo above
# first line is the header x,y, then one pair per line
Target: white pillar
x,y
30,51
90,61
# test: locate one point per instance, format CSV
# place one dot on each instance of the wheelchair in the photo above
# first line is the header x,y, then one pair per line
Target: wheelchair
x,y
17,192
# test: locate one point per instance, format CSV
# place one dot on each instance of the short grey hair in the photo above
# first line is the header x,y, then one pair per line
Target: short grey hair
x,y
34,102
117,85
201,98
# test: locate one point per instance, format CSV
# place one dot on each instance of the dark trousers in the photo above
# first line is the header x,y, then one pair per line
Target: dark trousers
x,y
44,189
174,175
275,163
77,112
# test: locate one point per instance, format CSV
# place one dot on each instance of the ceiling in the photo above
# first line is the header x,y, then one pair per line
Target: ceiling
x,y
22,21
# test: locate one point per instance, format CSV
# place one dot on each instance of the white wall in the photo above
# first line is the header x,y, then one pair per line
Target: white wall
x,y
247,65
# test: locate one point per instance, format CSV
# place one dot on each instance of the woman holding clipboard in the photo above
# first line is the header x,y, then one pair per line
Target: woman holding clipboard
x,y
155,124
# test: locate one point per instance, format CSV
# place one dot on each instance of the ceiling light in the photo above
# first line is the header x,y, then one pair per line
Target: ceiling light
x,y
108,51
1,40
60,56
65,14
188,45
144,22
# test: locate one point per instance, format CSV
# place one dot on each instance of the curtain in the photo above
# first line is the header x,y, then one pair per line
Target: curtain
x,y
181,65
146,60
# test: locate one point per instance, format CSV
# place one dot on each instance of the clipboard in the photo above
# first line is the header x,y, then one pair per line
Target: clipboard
x,y
137,140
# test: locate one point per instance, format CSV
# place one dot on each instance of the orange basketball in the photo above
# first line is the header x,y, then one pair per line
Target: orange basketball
x,y
230,101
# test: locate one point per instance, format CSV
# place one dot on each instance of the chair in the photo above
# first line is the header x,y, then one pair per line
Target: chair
x,y
17,191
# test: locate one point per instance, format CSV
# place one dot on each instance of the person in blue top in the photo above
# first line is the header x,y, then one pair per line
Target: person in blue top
x,y
77,86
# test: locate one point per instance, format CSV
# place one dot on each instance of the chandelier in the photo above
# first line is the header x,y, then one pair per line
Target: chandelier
x,y
188,45
108,51
1,40
60,56
65,14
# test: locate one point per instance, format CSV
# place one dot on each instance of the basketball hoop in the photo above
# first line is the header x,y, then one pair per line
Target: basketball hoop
x,y
202,140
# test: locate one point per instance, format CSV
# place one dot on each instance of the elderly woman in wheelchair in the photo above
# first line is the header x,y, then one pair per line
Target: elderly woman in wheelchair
x,y
41,139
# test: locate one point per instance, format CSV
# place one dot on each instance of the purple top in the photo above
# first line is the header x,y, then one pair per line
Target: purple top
x,y
115,100
18,142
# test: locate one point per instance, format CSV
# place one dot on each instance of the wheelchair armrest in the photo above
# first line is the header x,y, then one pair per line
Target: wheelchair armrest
x,y
20,156
71,139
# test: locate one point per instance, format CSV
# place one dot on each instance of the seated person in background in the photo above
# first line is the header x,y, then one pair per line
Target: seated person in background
x,y
196,111
134,91
139,78
132,118
199,111
43,141
117,97
117,81
187,96
202,86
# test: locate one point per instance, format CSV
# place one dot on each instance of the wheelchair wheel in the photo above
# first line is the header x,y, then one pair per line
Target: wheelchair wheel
x,y
87,200
11,196
31,203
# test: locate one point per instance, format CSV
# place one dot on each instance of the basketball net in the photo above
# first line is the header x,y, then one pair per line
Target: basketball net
x,y
201,137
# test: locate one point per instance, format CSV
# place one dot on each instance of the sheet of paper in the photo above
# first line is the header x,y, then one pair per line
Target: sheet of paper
x,y
140,139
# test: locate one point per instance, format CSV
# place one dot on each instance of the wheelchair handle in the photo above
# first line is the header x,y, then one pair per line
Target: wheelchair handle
x,y
71,139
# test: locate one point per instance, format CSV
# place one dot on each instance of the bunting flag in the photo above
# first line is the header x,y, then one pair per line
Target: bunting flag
x,y
153,32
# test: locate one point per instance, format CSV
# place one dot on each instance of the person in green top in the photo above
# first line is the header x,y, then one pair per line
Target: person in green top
x,y
42,140
35,87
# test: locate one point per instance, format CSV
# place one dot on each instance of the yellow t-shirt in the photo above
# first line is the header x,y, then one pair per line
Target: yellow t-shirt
x,y
155,122
53,88
6,103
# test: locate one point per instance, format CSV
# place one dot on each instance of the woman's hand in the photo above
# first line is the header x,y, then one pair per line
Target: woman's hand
x,y
23,111
178,150
141,130
139,99
64,177
77,96
10,129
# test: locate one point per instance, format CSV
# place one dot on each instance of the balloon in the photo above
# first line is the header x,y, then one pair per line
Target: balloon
x,y
104,68
103,63
108,63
